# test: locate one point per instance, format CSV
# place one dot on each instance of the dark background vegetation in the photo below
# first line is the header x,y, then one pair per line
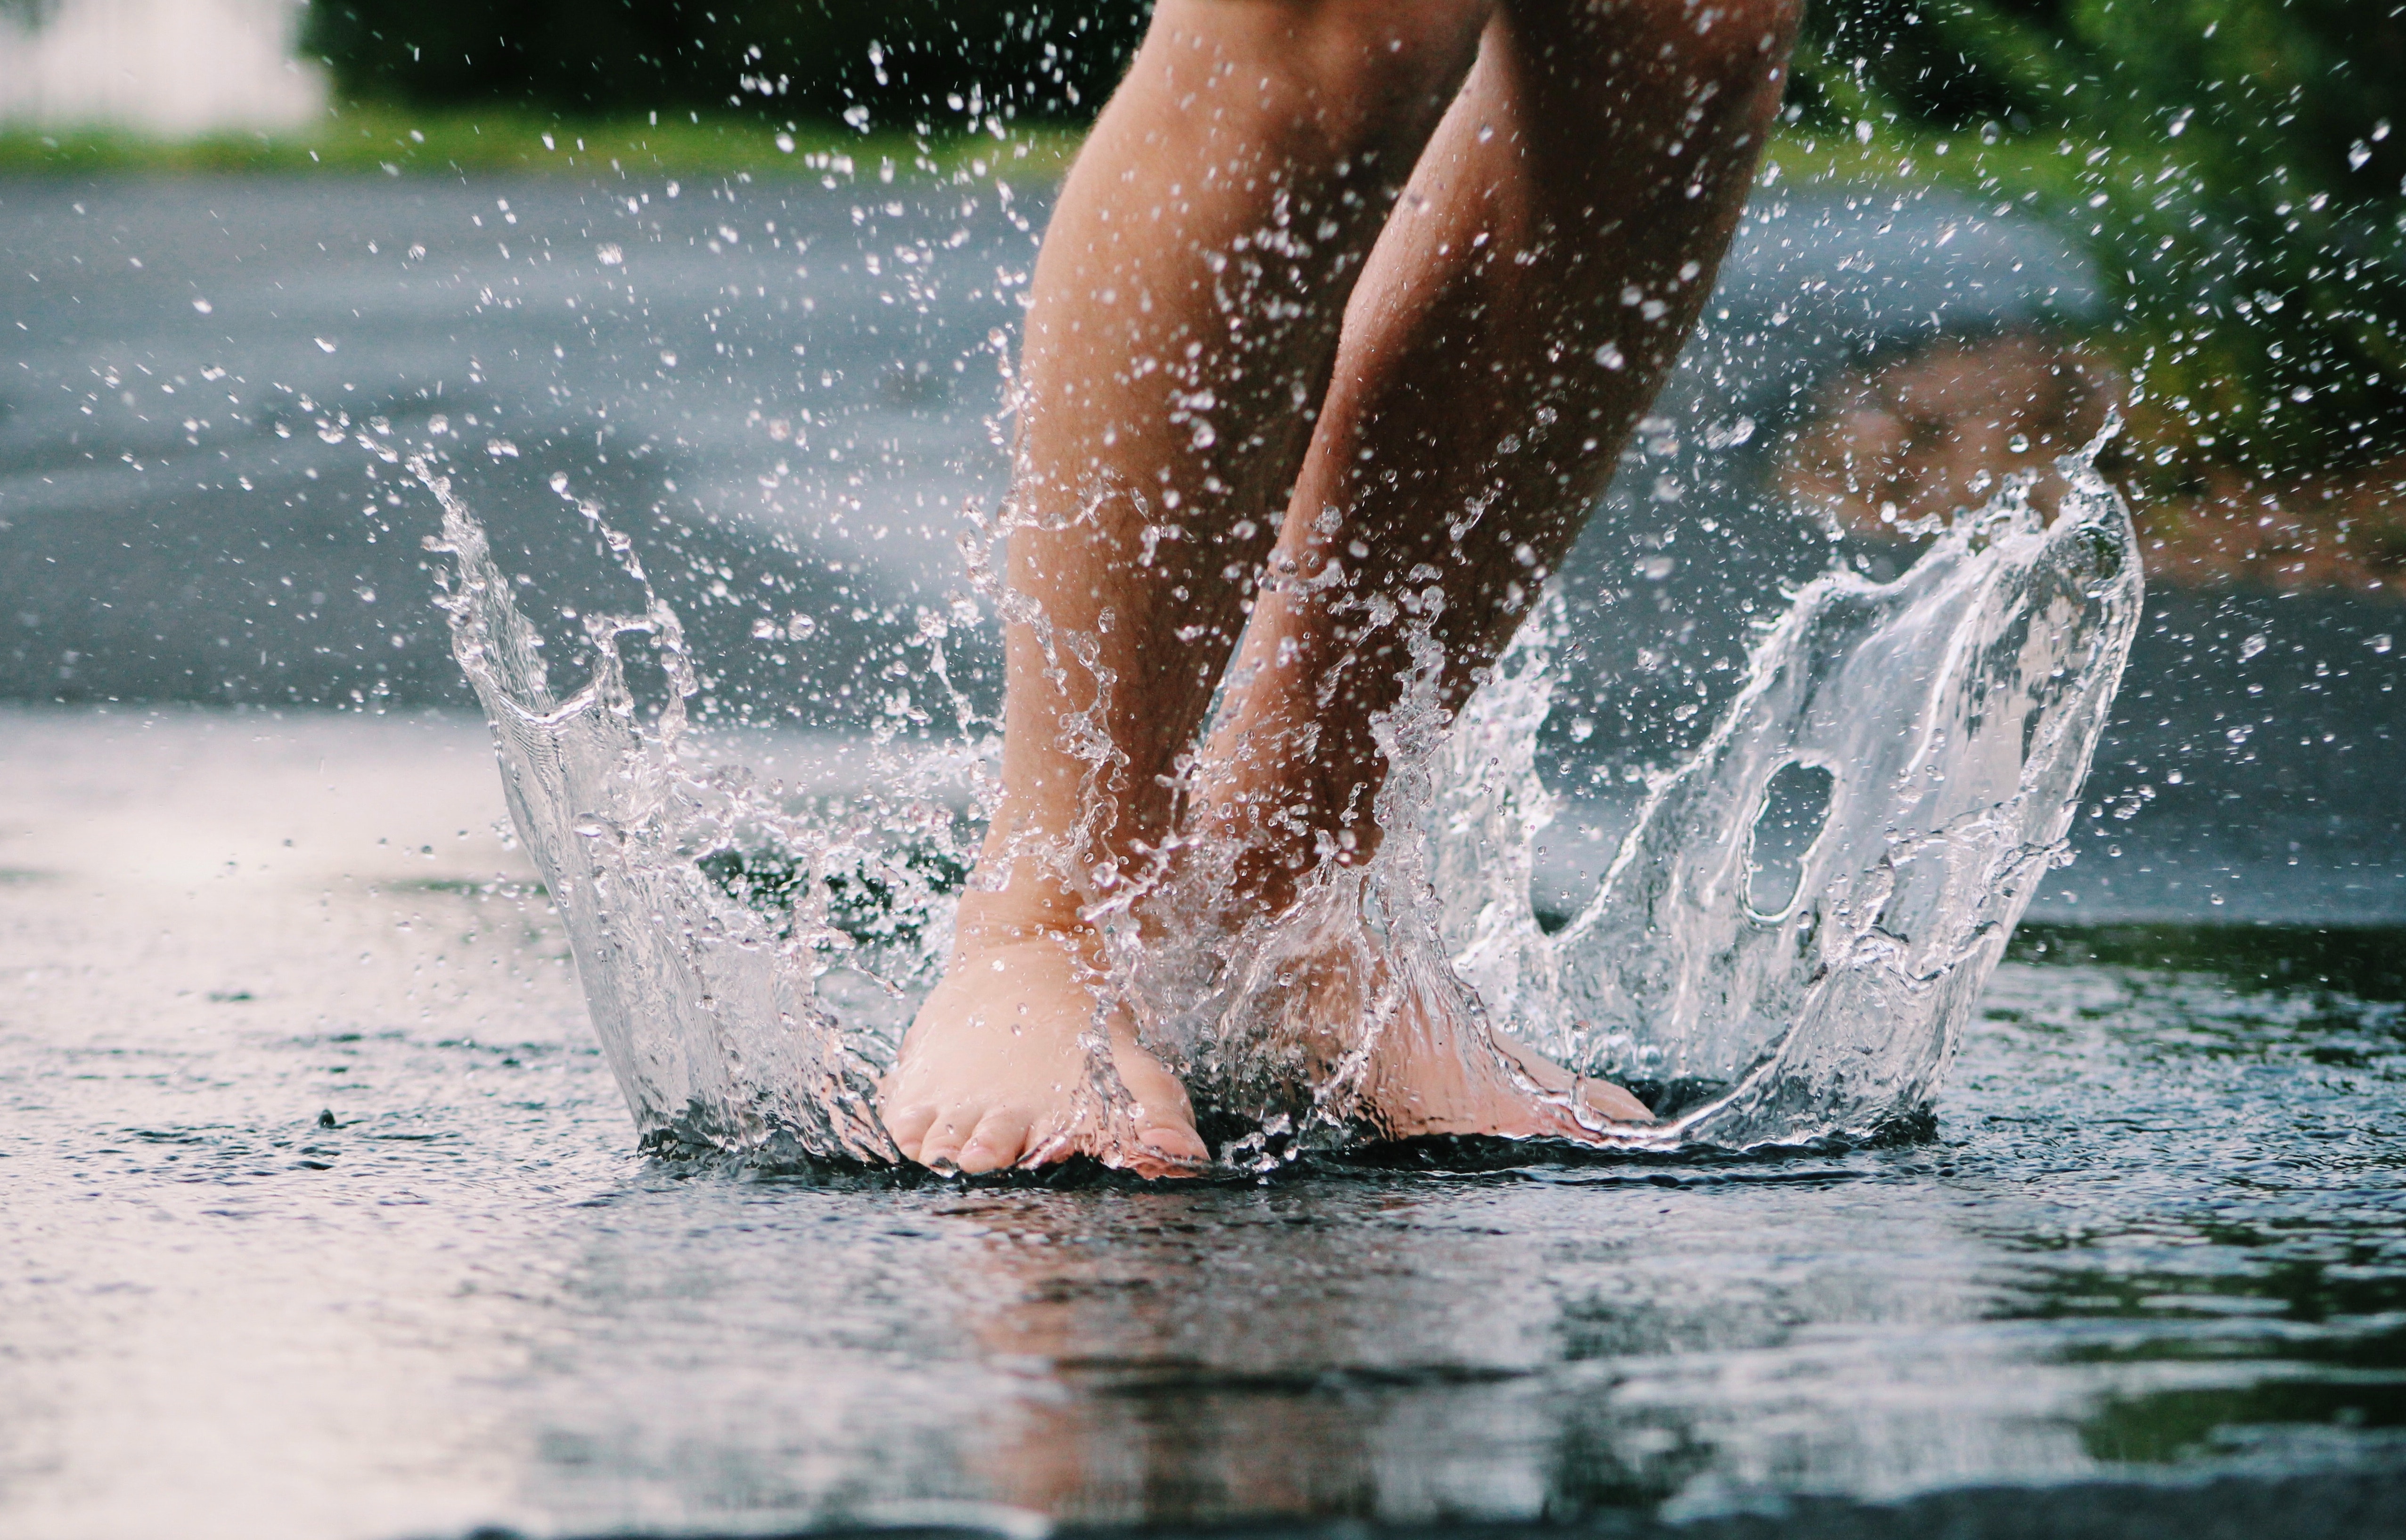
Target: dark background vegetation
x,y
2247,204
2236,166
905,62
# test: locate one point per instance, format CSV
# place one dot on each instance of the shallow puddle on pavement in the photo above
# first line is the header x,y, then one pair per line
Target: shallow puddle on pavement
x,y
2159,1230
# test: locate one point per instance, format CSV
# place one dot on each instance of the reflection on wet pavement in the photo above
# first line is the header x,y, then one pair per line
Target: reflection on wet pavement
x,y
788,391
324,1222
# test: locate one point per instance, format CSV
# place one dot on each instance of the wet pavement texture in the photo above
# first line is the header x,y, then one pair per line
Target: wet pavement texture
x,y
323,1220
320,1207
774,380
786,392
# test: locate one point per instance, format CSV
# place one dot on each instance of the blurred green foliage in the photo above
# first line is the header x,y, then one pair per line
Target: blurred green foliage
x,y
885,63
377,137
2239,167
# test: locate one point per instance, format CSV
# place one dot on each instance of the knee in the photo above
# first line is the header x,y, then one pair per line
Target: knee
x,y
1362,70
1740,44
1722,40
1382,51
1603,61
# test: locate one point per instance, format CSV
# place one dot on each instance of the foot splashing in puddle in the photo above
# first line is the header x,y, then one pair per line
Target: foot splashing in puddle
x,y
1784,951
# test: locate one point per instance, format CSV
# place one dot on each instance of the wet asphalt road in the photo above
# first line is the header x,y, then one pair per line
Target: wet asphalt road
x,y
786,383
786,392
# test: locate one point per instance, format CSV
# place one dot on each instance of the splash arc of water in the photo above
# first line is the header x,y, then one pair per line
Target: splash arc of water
x,y
706,1012
1956,710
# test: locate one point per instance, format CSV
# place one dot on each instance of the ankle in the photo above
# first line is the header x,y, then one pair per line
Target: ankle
x,y
1026,909
1270,849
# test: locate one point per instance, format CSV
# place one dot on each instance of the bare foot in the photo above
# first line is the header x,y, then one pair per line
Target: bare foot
x,y
1423,1080
993,1073
1600,1096
1433,1068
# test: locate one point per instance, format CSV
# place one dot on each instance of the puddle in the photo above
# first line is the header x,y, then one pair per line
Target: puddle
x,y
2158,1230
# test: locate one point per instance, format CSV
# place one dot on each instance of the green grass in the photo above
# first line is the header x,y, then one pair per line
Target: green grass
x,y
382,140
2367,962
2048,173
395,142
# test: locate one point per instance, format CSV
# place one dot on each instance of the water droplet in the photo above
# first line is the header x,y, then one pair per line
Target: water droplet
x,y
1730,434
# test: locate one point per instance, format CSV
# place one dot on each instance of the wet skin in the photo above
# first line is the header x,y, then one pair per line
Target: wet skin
x,y
1343,318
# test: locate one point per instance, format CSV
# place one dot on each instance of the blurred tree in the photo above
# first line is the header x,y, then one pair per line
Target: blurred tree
x,y
900,61
2232,163
2238,165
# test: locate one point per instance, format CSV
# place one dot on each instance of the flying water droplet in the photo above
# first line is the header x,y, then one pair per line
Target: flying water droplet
x,y
1768,970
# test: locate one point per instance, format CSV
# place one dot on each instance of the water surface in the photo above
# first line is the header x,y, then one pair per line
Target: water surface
x,y
2159,1234
322,1213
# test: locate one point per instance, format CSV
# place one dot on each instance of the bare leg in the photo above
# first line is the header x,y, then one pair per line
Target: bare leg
x,y
1514,316
1518,314
1185,309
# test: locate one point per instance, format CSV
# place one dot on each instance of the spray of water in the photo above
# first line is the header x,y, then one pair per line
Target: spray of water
x,y
1943,722
1785,950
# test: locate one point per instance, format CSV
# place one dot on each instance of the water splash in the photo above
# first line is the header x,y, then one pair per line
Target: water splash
x,y
1955,712
751,960
705,911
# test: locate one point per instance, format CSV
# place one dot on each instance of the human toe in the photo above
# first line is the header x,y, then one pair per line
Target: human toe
x,y
939,1148
999,1139
1615,1103
1177,1142
908,1126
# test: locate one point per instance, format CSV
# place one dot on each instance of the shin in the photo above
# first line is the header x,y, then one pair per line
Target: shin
x,y
1545,261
